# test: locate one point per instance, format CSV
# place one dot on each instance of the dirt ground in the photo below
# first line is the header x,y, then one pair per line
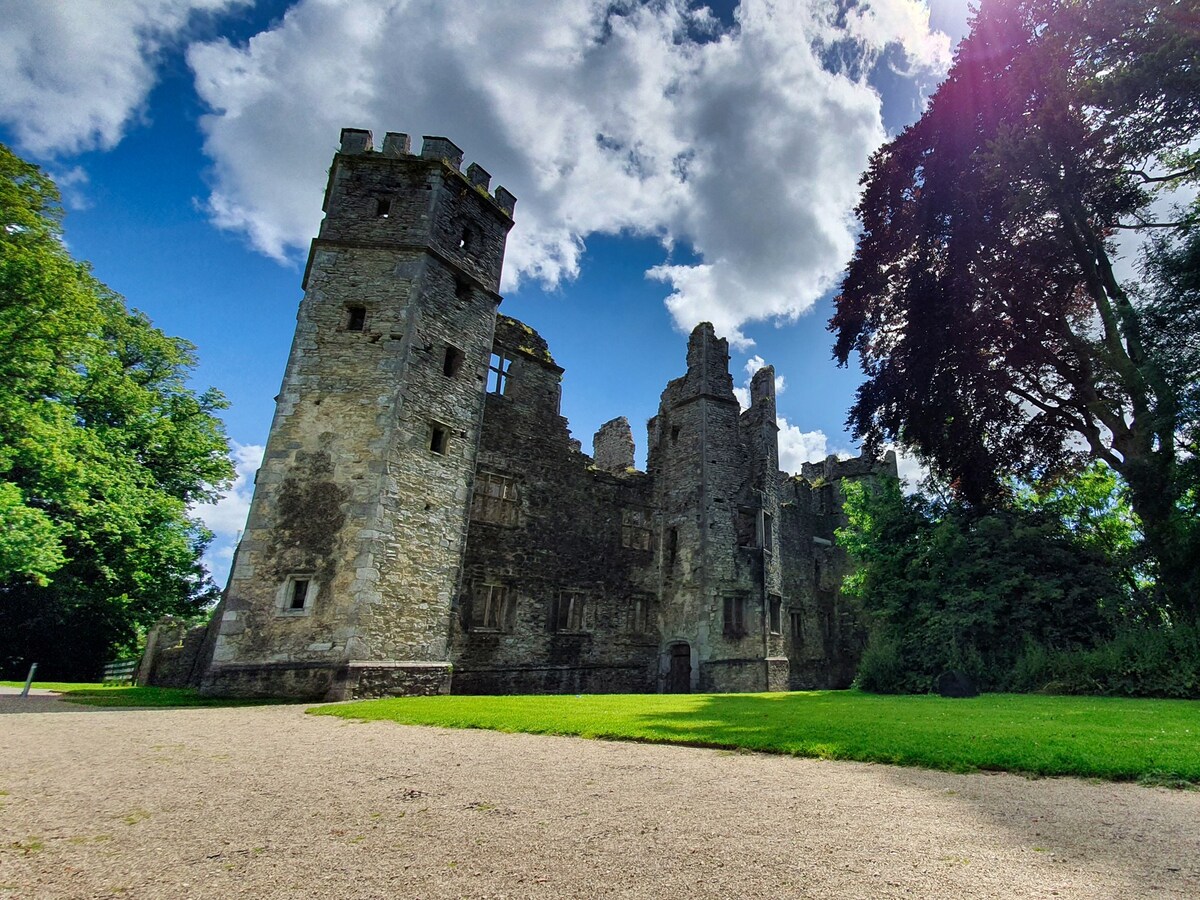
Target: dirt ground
x,y
268,802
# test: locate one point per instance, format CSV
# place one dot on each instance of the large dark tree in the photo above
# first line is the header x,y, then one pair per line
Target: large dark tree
x,y
983,299
103,448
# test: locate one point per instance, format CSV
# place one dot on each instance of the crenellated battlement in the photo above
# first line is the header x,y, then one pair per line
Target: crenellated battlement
x,y
397,145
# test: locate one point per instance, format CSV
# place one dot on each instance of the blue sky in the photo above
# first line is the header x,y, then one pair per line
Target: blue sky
x,y
672,163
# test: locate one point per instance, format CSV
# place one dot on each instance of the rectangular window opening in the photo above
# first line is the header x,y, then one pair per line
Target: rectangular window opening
x,y
356,318
452,363
776,614
636,533
299,593
439,439
498,370
569,612
735,616
797,623
643,616
489,607
383,207
496,499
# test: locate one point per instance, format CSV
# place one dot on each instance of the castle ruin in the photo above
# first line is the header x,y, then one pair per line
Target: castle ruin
x,y
424,523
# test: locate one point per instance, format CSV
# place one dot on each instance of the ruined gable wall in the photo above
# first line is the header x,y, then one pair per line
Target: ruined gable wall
x,y
565,535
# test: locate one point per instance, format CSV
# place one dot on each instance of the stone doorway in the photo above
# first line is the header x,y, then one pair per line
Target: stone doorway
x,y
679,672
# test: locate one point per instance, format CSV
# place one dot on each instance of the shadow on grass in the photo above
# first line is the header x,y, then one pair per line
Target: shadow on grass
x,y
1152,741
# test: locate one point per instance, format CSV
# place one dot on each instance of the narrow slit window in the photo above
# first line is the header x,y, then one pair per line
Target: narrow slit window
x,y
439,439
299,594
735,616
776,614
797,626
498,374
356,318
452,362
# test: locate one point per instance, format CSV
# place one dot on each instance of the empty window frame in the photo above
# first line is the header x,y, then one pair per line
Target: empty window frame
x,y
452,361
570,612
797,623
735,615
356,318
776,613
496,499
635,529
489,607
296,595
466,239
383,207
439,439
766,536
643,614
498,374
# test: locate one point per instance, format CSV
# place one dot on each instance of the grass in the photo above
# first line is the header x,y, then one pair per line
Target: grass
x,y
1152,741
91,694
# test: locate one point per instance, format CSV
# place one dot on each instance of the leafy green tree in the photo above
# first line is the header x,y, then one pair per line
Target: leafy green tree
x,y
948,587
103,449
982,300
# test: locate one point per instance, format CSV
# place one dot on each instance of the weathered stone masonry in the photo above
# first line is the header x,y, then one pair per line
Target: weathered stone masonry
x,y
423,521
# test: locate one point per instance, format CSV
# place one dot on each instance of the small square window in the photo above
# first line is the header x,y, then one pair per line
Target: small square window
x,y
356,318
439,439
296,595
452,362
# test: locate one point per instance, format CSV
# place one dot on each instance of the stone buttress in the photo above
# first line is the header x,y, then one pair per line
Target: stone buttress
x,y
345,578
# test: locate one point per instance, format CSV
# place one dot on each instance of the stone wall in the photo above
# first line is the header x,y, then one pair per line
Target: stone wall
x,y
554,554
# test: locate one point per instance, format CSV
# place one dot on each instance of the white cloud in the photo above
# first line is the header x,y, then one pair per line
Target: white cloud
x,y
797,447
600,117
75,73
227,517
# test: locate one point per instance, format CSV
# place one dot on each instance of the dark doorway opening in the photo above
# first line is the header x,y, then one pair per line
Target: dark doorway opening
x,y
679,675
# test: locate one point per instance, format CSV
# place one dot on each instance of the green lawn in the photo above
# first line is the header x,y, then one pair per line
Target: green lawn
x,y
1154,741
128,695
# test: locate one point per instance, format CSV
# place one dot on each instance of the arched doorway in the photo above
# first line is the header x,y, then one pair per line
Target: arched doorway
x,y
679,669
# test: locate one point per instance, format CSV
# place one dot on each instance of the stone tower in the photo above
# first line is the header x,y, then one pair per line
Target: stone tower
x,y
343,583
716,488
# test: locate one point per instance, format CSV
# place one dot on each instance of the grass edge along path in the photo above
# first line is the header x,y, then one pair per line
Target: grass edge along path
x,y
1118,739
134,696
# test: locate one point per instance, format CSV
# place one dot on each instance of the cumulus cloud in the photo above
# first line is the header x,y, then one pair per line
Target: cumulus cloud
x,y
797,447
76,73
227,517
740,142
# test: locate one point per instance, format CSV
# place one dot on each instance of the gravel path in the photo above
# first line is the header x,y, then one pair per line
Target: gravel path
x,y
267,802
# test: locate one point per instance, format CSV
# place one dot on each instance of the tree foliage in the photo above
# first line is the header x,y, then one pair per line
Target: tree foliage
x,y
983,300
949,587
103,448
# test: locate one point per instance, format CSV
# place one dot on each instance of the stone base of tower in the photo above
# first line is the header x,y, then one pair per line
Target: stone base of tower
x,y
356,680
